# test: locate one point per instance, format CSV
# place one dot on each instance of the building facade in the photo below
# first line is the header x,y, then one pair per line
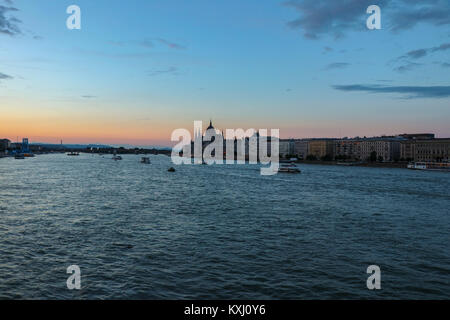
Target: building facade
x,y
348,149
286,147
301,148
407,150
322,148
436,150
385,149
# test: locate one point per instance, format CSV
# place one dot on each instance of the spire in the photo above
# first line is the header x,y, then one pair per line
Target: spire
x,y
210,125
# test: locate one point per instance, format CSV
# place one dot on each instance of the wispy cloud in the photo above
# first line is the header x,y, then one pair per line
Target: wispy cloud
x,y
88,96
5,76
337,65
409,92
407,67
327,50
9,25
171,45
416,54
171,70
404,64
148,43
318,18
420,53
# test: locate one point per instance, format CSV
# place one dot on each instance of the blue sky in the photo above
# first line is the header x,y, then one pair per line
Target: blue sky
x,y
139,69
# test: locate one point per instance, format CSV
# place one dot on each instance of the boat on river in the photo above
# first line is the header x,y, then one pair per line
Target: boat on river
x,y
289,168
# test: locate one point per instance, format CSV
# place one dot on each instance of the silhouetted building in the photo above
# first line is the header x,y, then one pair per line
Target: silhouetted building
x,y
5,144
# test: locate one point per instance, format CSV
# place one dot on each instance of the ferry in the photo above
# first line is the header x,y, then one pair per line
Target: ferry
x,y
288,168
431,166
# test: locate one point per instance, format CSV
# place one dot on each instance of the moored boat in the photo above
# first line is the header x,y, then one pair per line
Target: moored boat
x,y
431,166
116,157
73,154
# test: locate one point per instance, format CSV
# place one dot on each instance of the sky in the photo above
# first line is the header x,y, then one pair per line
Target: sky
x,y
139,69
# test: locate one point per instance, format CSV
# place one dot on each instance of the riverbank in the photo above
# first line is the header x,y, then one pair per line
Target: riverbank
x,y
402,165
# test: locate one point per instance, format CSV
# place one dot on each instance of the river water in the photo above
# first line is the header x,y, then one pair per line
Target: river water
x,y
220,232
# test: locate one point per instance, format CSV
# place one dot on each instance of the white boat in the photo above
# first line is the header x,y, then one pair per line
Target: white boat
x,y
431,166
145,160
116,157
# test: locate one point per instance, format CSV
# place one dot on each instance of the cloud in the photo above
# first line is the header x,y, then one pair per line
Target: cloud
x,y
442,47
322,17
88,97
9,25
411,92
148,43
171,45
414,12
337,65
407,67
327,50
5,76
442,64
319,18
420,53
416,54
142,43
171,70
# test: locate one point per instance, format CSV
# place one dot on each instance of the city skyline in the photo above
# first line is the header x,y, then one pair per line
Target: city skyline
x,y
137,70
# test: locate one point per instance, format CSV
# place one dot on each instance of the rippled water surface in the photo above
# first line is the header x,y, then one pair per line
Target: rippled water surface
x,y
140,232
